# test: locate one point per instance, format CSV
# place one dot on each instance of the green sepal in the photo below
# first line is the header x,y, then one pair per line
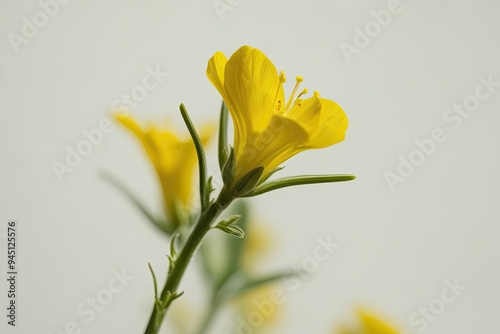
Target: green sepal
x,y
296,181
247,182
268,175
223,146
202,160
229,168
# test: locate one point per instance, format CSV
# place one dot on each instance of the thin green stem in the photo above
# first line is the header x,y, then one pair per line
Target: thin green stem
x,y
192,243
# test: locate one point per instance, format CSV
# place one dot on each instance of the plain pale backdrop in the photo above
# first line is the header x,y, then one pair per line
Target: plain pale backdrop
x,y
397,247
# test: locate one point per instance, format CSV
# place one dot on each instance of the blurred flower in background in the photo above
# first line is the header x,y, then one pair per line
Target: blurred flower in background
x,y
174,160
255,308
366,322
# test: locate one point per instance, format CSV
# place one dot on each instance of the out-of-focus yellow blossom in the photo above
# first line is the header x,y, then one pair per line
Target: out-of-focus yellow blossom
x,y
182,317
368,323
257,307
268,130
258,311
174,160
258,243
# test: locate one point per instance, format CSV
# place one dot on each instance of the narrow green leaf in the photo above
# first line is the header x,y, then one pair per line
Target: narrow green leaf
x,y
158,223
174,296
232,230
250,284
231,220
210,187
202,160
223,147
296,181
171,263
154,280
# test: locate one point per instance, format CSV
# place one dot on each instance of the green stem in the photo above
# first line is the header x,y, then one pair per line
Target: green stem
x,y
192,243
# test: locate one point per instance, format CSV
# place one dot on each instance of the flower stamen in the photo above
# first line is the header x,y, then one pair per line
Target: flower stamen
x,y
299,80
305,91
277,102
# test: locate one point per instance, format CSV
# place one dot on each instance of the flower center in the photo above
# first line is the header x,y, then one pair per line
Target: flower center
x,y
291,102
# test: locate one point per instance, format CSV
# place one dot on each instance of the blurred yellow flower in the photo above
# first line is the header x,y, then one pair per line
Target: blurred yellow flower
x,y
258,313
173,158
368,323
267,129
258,243
256,307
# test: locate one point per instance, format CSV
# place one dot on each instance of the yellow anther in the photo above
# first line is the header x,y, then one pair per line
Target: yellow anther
x,y
305,91
277,102
299,79
316,93
282,77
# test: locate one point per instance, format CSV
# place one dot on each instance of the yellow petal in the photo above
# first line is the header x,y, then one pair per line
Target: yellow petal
x,y
215,71
251,83
306,112
278,142
145,139
331,124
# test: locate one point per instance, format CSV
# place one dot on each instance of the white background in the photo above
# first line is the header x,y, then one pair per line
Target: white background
x,y
397,247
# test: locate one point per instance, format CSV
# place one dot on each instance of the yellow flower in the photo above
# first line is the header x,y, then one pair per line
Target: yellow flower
x,y
369,323
267,129
257,310
173,158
